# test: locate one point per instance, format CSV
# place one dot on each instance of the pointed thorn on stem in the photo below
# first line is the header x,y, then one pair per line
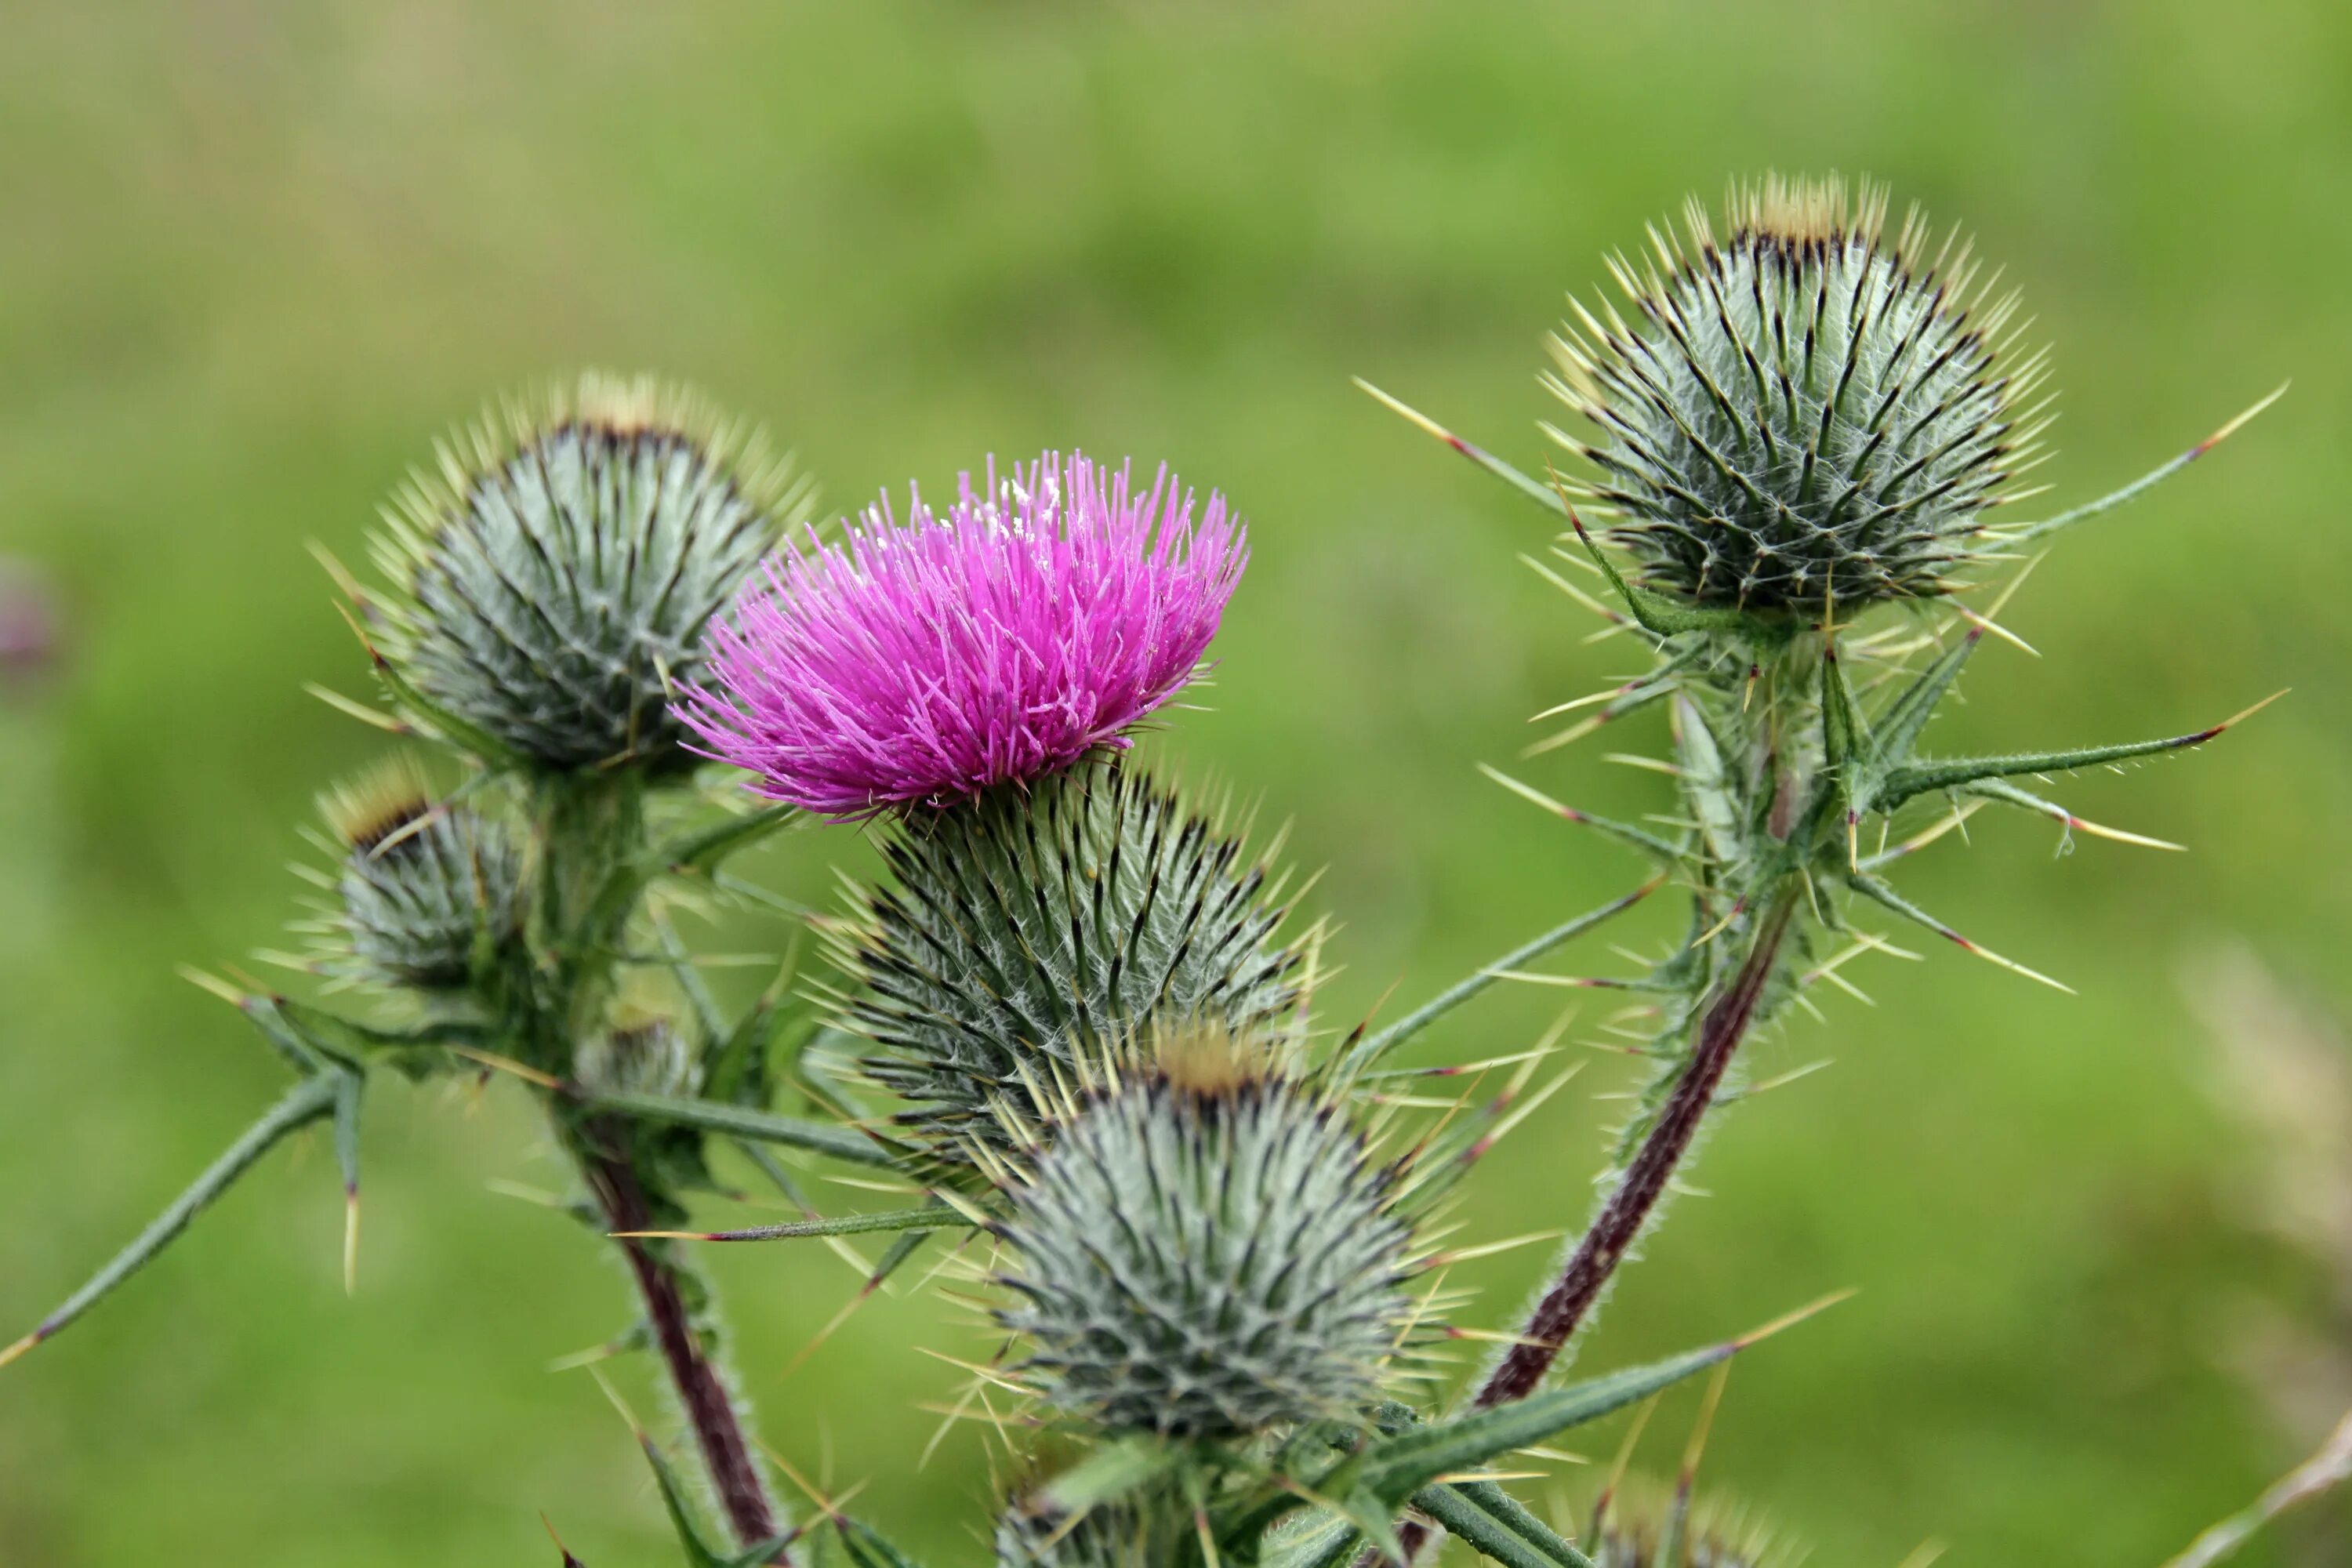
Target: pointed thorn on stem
x,y
1791,1320
21,1346
2234,426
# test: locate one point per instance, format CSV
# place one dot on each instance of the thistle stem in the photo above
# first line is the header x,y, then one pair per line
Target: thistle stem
x,y
702,1393
1627,1211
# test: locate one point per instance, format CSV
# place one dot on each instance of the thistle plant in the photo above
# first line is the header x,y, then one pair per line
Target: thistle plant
x,y
1070,1021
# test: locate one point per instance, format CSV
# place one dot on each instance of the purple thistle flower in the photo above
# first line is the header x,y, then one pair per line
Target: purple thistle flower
x,y
1040,618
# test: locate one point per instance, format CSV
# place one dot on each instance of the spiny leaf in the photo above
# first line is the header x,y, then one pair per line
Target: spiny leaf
x,y
306,1102
1919,778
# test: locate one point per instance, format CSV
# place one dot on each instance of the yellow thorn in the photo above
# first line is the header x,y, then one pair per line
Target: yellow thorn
x,y
1417,417
350,1244
2009,590
1791,1320
1705,1421
1924,1554
2240,717
509,1065
2097,831
1986,623
214,983
20,1347
2234,426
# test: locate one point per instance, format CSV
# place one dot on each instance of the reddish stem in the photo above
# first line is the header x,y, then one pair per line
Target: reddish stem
x,y
701,1393
1623,1218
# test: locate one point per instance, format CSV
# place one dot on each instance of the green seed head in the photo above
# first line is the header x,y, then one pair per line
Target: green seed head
x,y
1023,930
421,885
1206,1249
1804,414
557,572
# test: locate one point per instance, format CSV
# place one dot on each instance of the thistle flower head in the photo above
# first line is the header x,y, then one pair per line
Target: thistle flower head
x,y
1804,414
420,883
557,573
1021,931
1207,1249
1039,618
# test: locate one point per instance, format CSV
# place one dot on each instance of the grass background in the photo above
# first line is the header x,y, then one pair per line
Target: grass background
x,y
257,254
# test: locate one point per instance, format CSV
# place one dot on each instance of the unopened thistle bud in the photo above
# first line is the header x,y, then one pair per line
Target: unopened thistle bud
x,y
1206,1249
424,889
1039,618
1802,415
1020,931
1123,1535
636,1056
557,574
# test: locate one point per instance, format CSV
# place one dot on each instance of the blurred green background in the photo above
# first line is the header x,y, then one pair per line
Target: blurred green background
x,y
254,256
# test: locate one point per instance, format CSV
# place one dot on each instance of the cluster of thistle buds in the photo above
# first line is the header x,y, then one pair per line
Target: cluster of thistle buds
x,y
1073,1019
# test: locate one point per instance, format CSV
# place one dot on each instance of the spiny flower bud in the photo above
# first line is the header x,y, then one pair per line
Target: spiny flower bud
x,y
1035,620
1021,931
1207,1249
1657,1529
1123,1535
420,883
557,574
1804,415
643,1055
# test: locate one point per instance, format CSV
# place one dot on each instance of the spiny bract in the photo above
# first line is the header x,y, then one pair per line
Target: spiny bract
x,y
419,882
1021,930
1804,415
1206,1250
556,576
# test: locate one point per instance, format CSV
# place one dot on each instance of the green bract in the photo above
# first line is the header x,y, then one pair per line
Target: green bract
x,y
1024,928
1206,1256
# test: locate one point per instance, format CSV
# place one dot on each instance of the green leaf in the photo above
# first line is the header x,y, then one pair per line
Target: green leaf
x,y
1109,1474
705,847
307,1101
937,1217
1372,1049
698,1552
1919,778
1900,725
868,1549
1395,1467
1495,1525
744,1121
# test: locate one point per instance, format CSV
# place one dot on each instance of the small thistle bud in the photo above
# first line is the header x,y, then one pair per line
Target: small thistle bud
x,y
1805,415
557,574
637,1056
1022,932
1040,618
1207,1249
1121,1535
1651,1527
420,883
